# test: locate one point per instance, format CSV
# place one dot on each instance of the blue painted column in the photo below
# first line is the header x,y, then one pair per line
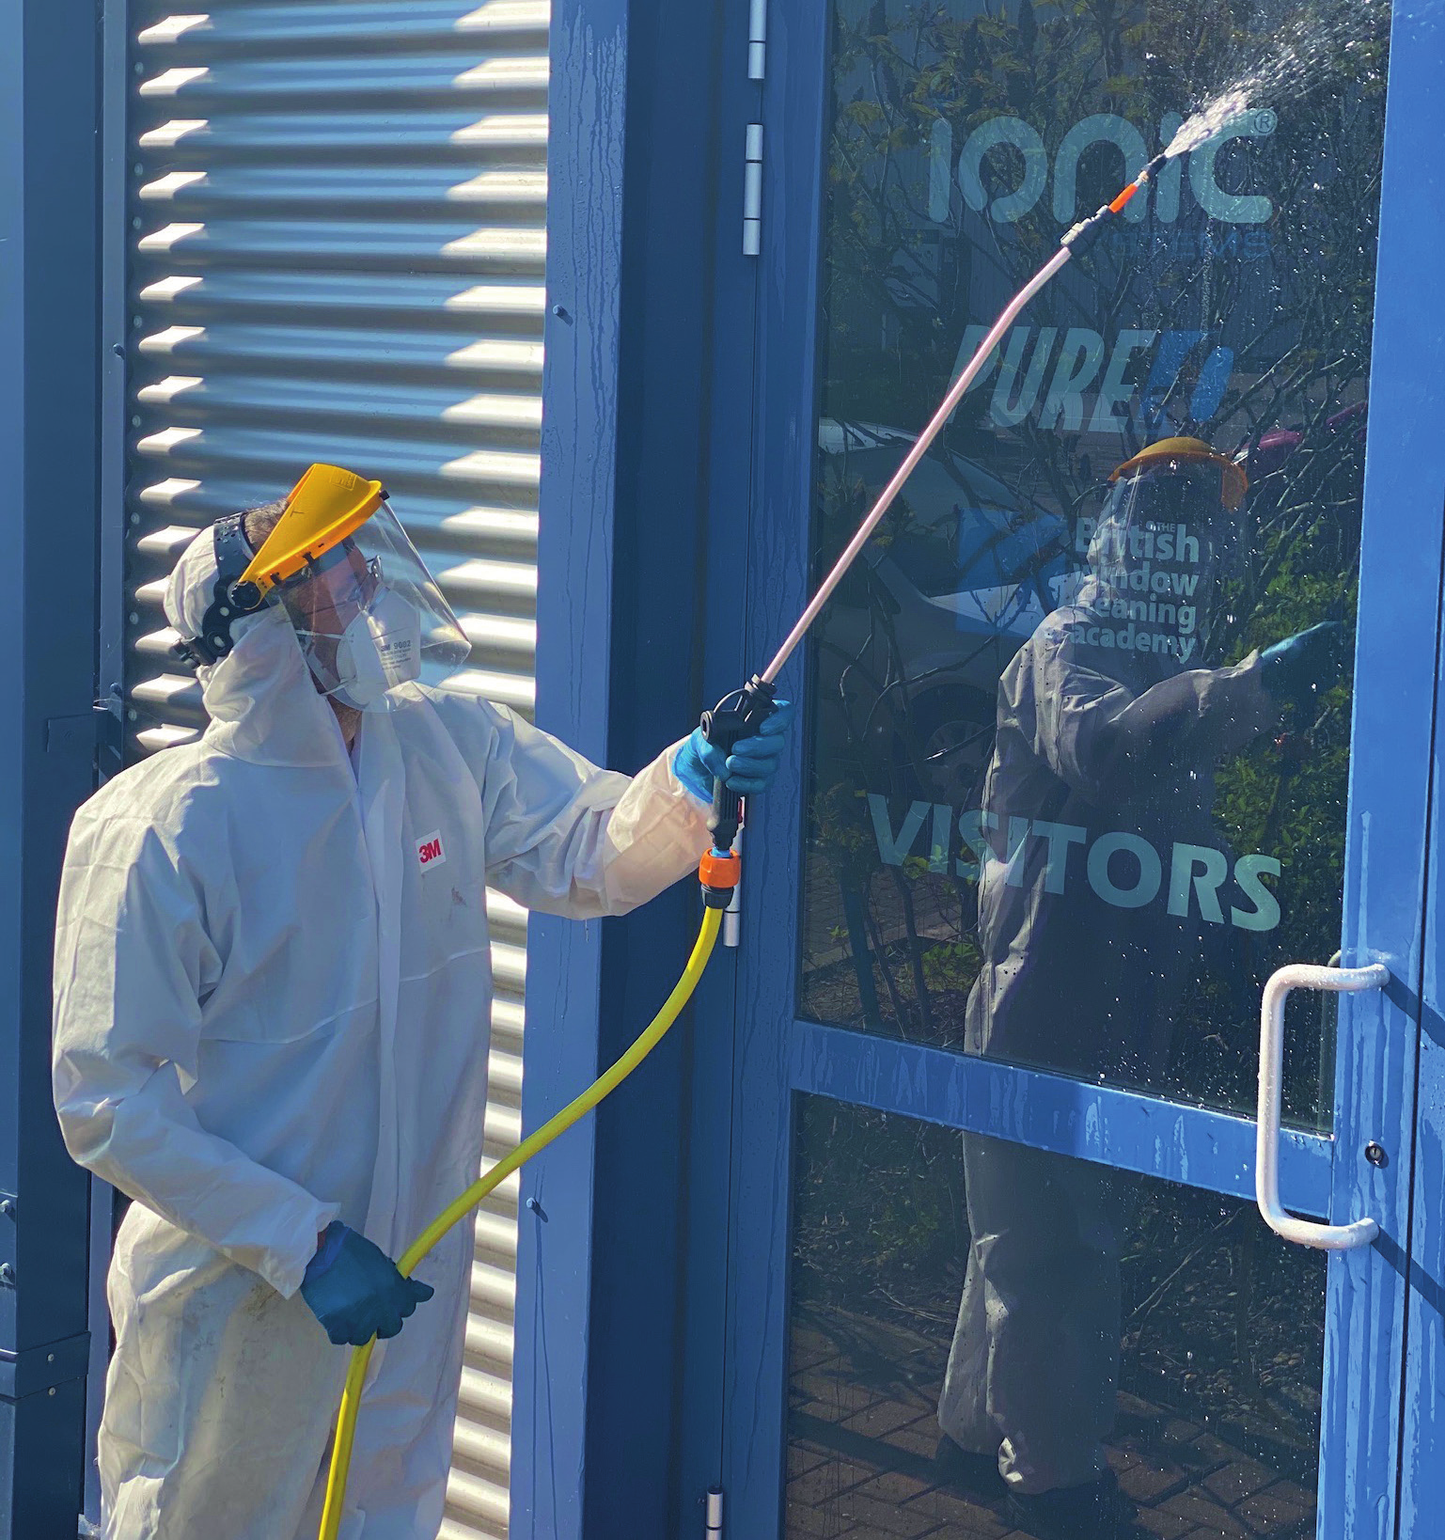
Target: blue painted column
x,y
1387,1301
49,433
1422,1459
617,1383
587,108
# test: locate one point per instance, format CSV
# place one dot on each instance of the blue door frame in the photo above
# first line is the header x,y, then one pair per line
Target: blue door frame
x,y
1366,1488
622,1245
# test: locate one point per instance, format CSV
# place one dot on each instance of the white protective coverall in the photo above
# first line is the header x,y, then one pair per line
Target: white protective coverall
x,y
271,1012
1091,740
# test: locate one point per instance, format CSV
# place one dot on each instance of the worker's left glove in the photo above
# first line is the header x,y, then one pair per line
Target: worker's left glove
x,y
355,1290
1305,665
750,768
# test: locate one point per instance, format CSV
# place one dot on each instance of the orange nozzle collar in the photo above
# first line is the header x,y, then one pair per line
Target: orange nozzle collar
x,y
1121,202
720,871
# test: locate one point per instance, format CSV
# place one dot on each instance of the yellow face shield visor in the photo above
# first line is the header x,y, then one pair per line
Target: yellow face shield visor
x,y
324,507
1173,454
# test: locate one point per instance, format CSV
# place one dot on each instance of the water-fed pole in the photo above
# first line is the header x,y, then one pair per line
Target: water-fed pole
x,y
1079,239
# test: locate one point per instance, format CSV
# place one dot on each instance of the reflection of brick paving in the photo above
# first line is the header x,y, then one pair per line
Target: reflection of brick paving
x,y
862,1400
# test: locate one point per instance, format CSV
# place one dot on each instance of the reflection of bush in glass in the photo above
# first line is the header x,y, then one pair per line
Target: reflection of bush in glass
x,y
899,291
1221,1320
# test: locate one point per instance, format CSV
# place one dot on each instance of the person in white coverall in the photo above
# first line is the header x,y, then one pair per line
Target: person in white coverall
x,y
272,996
1101,736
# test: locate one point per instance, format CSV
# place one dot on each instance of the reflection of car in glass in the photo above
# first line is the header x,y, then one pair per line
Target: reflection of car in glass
x,y
956,578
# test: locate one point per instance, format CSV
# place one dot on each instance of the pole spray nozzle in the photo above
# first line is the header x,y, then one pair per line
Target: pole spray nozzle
x,y
1087,231
736,716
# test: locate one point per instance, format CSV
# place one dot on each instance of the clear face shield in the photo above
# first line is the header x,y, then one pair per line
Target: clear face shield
x,y
1173,520
370,617
1162,551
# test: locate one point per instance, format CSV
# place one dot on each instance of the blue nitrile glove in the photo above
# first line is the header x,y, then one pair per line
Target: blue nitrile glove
x,y
354,1289
1305,664
748,770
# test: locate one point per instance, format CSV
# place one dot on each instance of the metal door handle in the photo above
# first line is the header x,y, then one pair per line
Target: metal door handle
x,y
1303,1232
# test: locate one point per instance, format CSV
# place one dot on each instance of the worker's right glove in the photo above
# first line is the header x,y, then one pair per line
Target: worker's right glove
x,y
1304,665
355,1290
751,766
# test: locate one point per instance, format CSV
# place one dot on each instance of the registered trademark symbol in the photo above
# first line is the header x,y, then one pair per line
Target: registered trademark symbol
x,y
1266,120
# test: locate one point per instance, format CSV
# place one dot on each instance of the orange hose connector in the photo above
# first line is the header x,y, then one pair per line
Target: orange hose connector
x,y
720,872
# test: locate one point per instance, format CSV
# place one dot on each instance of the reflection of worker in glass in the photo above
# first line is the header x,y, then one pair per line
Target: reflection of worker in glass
x,y
273,979
1102,878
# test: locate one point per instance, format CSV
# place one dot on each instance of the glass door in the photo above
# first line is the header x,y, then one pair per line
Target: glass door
x,y
1124,708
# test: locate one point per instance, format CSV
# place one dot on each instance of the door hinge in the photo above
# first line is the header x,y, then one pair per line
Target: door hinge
x,y
757,39
753,192
714,1514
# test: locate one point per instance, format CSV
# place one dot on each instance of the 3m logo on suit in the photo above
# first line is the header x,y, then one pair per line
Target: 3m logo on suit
x,y
429,851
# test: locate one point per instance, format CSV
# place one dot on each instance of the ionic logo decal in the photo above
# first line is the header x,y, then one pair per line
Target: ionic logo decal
x,y
429,851
1099,128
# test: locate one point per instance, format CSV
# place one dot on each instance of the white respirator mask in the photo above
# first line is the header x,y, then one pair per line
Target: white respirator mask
x,y
378,650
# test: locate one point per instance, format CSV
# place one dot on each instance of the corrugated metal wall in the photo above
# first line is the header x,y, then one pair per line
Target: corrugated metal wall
x,y
338,219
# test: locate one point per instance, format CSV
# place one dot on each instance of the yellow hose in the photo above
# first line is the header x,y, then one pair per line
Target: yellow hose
x,y
454,1212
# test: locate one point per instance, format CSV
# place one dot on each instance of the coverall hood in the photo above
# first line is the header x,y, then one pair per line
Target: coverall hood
x,y
263,703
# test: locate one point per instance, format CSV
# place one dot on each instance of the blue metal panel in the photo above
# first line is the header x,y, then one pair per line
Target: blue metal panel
x,y
729,372
579,439
1417,203
1192,1145
48,429
644,1152
654,1409
114,237
644,492
1422,1459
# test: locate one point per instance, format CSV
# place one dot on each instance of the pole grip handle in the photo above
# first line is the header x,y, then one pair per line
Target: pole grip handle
x,y
735,717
